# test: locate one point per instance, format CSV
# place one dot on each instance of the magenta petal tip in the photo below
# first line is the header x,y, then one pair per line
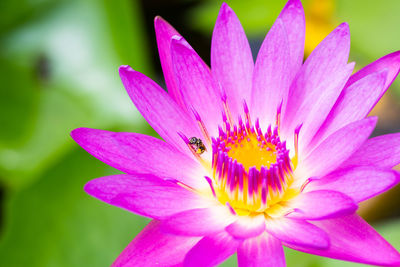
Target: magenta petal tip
x,y
79,134
344,28
75,132
125,68
225,10
225,6
158,20
293,4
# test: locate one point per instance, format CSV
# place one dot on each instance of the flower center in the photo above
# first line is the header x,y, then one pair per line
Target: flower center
x,y
252,171
250,150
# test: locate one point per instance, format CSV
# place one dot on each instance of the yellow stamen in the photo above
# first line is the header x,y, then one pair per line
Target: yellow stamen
x,y
251,153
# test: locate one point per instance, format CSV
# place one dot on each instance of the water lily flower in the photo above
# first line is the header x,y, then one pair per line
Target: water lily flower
x,y
254,156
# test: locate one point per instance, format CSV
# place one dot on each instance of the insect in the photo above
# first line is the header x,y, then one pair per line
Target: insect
x,y
197,145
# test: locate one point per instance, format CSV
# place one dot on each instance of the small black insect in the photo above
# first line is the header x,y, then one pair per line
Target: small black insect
x,y
197,145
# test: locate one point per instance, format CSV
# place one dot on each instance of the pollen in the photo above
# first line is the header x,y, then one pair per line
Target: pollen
x,y
252,151
252,170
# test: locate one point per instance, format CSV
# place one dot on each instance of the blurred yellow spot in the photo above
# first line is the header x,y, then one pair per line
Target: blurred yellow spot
x,y
319,22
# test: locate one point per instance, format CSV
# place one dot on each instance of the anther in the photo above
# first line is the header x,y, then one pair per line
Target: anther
x,y
278,116
227,111
202,127
296,145
211,185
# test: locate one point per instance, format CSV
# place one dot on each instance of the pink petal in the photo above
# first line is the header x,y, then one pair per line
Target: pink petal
x,y
211,250
156,106
153,247
318,107
382,151
354,103
246,227
352,239
321,204
199,222
146,195
390,63
359,183
271,78
335,149
164,34
293,19
264,250
231,59
198,87
136,153
318,82
297,232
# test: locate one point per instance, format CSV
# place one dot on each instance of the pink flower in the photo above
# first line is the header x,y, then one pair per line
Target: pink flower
x,y
255,156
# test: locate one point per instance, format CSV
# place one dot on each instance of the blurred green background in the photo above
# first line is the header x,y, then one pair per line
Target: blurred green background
x,y
59,62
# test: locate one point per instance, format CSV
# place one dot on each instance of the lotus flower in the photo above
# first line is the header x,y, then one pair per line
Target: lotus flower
x,y
254,156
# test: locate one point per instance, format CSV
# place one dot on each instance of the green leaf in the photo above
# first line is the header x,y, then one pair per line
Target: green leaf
x,y
18,101
81,44
55,223
16,13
